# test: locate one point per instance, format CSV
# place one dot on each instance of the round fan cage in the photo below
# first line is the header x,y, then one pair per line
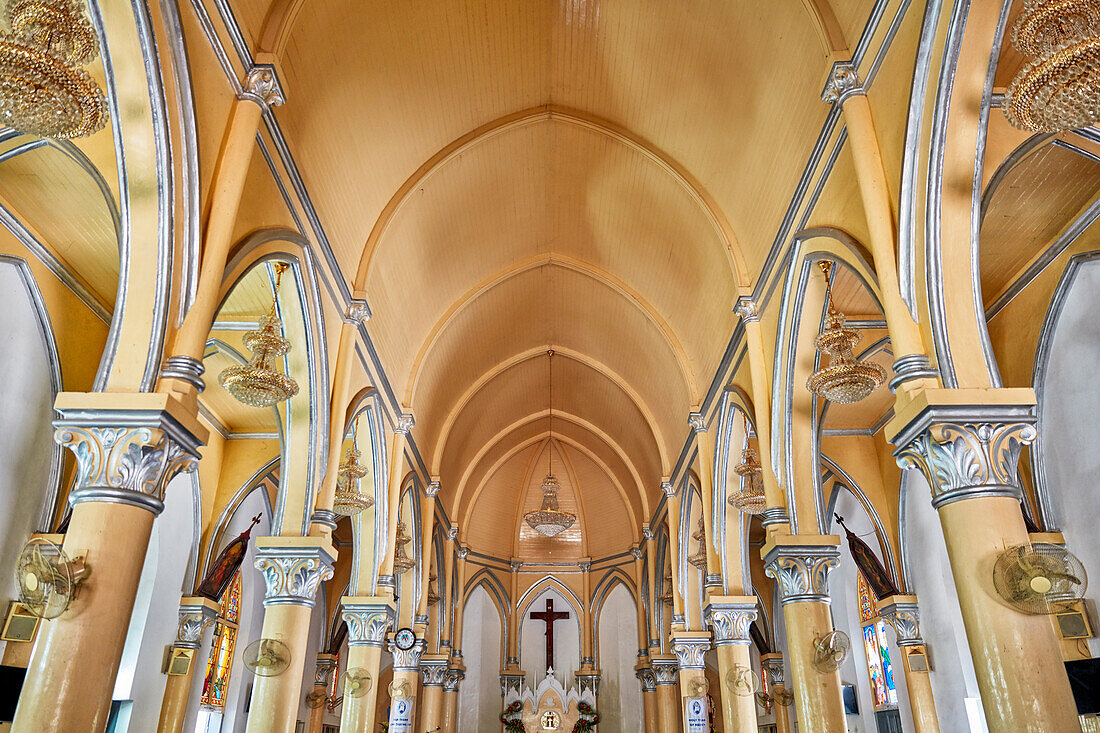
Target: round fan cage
x,y
357,682
831,650
1039,578
316,699
742,681
267,657
47,578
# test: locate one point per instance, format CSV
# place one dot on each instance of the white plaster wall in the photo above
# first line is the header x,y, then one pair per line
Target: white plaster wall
x,y
26,412
567,641
954,686
1069,410
620,701
479,703
155,616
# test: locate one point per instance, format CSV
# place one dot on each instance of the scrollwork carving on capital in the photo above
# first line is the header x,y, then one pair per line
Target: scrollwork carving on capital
x,y
665,672
262,87
905,619
451,679
357,312
731,625
802,572
774,667
192,622
432,672
406,659
367,626
745,308
292,575
648,679
669,489
690,652
843,82
325,667
697,422
404,424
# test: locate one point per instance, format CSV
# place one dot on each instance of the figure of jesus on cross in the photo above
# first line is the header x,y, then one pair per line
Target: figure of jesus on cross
x,y
549,616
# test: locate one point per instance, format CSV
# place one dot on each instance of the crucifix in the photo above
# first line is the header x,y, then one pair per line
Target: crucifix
x,y
549,616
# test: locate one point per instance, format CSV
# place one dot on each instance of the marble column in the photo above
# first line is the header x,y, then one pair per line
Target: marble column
x,y
903,614
665,669
690,647
967,443
800,565
404,688
433,668
292,568
368,619
782,699
456,672
326,667
195,615
644,673
127,447
730,618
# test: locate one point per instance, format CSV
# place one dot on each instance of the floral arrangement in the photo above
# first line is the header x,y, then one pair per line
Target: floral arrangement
x,y
588,719
513,723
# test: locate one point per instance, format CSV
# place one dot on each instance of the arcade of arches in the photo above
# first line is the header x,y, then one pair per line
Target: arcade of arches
x,y
574,237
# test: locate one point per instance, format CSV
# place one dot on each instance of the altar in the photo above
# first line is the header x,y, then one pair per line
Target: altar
x,y
550,707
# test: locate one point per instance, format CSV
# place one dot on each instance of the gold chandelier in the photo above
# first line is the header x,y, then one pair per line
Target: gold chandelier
x,y
256,383
349,500
43,90
1059,88
549,520
750,499
699,559
846,379
433,594
401,561
666,594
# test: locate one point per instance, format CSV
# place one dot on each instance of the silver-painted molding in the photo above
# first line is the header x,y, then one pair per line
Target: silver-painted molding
x,y
406,660
262,86
193,620
511,682
452,678
774,515
432,672
665,671
323,674
292,574
648,679
745,308
186,369
357,312
843,82
669,489
905,618
588,682
404,423
690,651
911,366
431,489
730,622
368,623
802,571
325,517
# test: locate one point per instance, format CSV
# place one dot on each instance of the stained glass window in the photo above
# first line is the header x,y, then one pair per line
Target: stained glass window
x,y
332,678
879,669
220,663
765,687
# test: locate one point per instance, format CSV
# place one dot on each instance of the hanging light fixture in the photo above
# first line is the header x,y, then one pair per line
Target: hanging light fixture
x,y
846,379
666,594
433,594
349,500
256,383
699,559
1059,88
750,499
401,561
43,89
549,520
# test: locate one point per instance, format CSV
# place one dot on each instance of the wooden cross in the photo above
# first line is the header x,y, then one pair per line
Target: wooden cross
x,y
549,616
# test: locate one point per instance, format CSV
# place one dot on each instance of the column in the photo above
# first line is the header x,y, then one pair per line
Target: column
x,y
427,530
368,619
326,667
447,641
195,615
730,618
292,568
690,648
401,428
127,447
800,565
903,614
672,517
456,672
433,668
648,680
781,697
665,675
403,689
966,442
656,581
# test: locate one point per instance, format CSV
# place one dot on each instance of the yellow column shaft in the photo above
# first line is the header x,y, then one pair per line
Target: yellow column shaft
x,y
817,694
275,700
738,711
358,713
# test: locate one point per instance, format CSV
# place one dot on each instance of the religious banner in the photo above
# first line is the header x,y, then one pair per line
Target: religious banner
x,y
401,715
697,721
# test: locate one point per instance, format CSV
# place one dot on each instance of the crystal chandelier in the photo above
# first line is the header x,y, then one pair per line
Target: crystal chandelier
x,y
349,500
699,559
750,499
43,90
549,520
846,379
256,383
1059,88
666,594
401,561
433,594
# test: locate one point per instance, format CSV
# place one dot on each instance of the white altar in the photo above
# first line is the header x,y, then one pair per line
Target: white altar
x,y
550,707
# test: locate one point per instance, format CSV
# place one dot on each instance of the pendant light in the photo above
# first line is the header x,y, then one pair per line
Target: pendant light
x,y
846,379
699,559
349,500
666,593
401,561
256,383
750,499
549,520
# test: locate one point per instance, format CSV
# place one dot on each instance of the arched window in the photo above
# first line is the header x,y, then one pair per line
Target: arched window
x,y
879,669
220,663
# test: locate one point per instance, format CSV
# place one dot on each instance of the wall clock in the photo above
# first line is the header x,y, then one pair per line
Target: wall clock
x,y
404,639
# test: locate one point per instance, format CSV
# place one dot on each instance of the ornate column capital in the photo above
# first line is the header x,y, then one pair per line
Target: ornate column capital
x,y
697,421
462,552
127,446
512,682
326,664
647,532
647,678
965,449
357,311
774,515
588,681
433,668
689,648
800,565
730,618
368,619
406,660
668,489
515,565
432,488
903,613
773,665
636,552
843,82
195,614
745,307
665,669
452,677
293,568
452,532
262,86
404,423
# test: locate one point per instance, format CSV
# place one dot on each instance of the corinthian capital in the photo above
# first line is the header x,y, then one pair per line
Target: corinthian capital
x,y
407,660
452,677
801,567
368,619
697,421
903,614
773,665
689,648
745,307
966,451
730,618
647,678
843,82
433,668
404,423
194,616
293,568
357,311
262,87
127,447
665,668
